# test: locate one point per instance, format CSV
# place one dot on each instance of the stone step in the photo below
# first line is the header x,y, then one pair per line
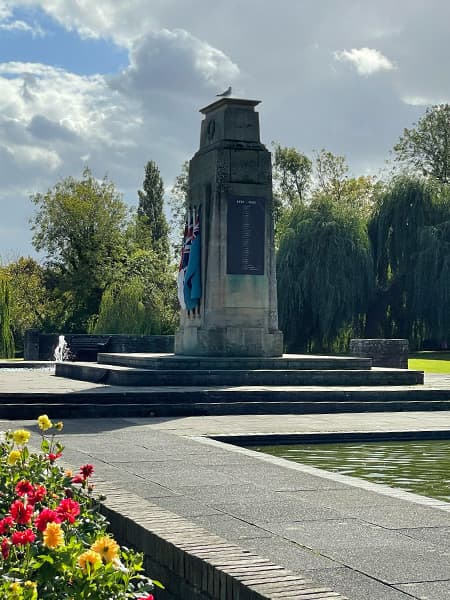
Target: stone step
x,y
127,376
287,361
60,408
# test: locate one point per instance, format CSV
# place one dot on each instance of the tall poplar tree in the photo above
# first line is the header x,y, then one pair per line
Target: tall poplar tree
x,y
6,336
151,210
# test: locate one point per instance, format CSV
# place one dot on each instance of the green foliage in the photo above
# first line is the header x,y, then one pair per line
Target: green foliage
x,y
7,347
54,541
142,301
178,202
150,210
81,224
324,272
425,148
31,304
410,234
292,174
122,310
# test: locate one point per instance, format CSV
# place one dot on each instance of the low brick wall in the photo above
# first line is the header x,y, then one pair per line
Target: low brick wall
x,y
41,346
194,564
383,352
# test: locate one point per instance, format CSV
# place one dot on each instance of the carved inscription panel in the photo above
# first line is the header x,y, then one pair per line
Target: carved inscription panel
x,y
245,235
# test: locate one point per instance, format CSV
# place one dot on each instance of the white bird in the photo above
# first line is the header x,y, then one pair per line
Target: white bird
x,y
225,93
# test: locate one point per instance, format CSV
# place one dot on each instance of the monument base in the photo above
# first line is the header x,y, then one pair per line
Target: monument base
x,y
228,341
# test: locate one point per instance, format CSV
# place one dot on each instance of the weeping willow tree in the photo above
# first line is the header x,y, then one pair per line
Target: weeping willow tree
x,y
431,293
122,310
142,301
325,275
6,337
409,232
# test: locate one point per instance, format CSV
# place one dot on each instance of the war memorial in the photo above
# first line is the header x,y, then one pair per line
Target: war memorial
x,y
217,521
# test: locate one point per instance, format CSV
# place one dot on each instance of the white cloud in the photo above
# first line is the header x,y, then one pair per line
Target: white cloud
x,y
425,100
121,20
18,25
366,60
175,61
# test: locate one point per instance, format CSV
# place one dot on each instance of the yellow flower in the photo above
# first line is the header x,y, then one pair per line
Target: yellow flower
x,y
59,425
16,592
31,585
44,422
88,560
107,548
13,457
53,535
21,437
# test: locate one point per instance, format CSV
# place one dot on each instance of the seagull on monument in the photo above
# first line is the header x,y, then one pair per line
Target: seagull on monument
x,y
225,93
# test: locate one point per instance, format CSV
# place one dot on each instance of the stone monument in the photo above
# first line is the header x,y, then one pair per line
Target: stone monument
x,y
230,192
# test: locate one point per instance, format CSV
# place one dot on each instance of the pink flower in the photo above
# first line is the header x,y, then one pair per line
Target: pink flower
x,y
68,510
20,512
5,548
38,494
149,597
24,488
52,456
6,524
46,516
77,479
23,537
86,471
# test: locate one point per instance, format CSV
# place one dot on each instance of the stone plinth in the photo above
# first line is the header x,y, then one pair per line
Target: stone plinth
x,y
230,184
383,352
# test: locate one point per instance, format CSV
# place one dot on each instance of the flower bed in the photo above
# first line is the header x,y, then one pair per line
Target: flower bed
x,y
54,542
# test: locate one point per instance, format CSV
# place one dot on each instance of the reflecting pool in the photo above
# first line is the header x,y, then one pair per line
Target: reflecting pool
x,y
422,467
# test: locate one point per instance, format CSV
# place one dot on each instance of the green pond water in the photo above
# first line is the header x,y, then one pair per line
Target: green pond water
x,y
422,467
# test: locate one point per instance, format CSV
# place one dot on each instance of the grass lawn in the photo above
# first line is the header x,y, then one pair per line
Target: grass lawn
x,y
430,362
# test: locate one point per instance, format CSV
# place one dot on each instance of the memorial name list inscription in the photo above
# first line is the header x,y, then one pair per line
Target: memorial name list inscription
x,y
245,235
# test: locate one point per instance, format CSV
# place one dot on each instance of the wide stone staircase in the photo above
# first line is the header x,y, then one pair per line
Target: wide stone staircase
x,y
167,385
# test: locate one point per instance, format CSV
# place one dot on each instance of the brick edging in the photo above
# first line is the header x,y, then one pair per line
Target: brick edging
x,y
194,563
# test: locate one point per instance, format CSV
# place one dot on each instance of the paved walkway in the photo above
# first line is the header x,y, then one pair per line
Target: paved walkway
x,y
368,542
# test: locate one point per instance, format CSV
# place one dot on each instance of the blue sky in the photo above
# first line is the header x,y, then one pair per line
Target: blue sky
x,y
114,83
50,43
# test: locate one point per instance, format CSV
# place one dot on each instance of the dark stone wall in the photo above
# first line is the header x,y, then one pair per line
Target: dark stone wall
x,y
41,346
383,352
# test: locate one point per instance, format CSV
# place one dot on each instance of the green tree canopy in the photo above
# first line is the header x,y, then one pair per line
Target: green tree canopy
x,y
292,174
80,225
410,239
151,209
325,273
425,148
142,300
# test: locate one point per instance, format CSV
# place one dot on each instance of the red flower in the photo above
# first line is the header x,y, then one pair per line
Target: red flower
x,y
149,597
24,488
6,524
52,456
38,494
46,516
77,479
68,510
5,548
86,471
20,512
23,537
